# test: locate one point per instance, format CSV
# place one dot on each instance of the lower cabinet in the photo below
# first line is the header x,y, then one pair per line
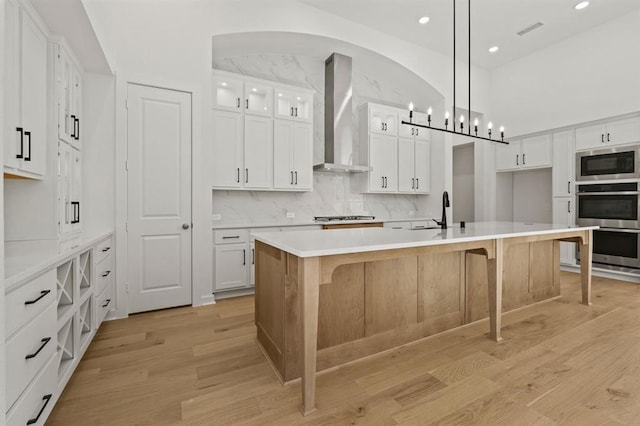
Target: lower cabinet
x,y
564,214
50,322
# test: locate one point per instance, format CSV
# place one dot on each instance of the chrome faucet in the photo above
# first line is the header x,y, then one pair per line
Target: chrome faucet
x,y
445,203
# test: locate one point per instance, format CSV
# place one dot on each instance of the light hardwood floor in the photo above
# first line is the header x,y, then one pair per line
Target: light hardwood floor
x,y
560,363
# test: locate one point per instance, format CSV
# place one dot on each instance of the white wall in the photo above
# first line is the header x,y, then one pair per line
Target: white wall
x,y
532,196
586,77
98,167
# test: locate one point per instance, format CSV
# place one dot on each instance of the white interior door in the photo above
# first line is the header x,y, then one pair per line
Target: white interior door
x,y
159,198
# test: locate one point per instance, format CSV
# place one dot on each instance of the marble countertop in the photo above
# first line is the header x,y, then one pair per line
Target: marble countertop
x,y
302,222
343,241
24,260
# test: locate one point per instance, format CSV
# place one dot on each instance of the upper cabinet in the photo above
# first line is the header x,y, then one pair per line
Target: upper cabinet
x,y
601,135
69,96
25,101
252,149
293,103
399,155
527,153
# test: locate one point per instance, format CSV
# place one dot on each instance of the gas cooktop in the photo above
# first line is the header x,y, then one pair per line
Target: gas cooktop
x,y
339,218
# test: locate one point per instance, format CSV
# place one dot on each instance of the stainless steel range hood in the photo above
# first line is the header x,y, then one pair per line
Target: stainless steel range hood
x,y
338,127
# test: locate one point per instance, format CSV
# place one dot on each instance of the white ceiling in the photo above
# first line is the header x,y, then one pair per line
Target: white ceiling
x,y
493,22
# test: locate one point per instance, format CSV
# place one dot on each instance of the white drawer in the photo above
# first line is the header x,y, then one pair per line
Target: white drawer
x,y
230,236
26,302
104,273
104,302
103,250
38,400
421,224
28,351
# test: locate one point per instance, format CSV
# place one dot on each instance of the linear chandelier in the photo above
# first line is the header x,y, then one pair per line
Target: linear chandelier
x,y
446,116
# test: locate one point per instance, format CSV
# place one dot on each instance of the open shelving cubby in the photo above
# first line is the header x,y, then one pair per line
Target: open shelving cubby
x,y
65,287
85,321
85,268
66,347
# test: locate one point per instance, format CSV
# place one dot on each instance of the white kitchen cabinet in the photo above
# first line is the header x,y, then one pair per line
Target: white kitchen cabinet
x,y
293,104
292,155
527,153
383,119
25,100
243,149
413,132
414,160
614,132
562,172
69,190
231,266
564,214
383,160
69,96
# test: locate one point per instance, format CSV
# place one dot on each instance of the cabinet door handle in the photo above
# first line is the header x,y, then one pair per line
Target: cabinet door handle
x,y
296,111
385,127
238,102
238,175
382,177
247,103
608,140
517,157
292,178
602,137
43,293
35,354
106,303
296,173
230,237
244,257
21,130
73,132
413,183
524,159
28,135
106,274
106,249
253,256
77,129
381,126
417,183
292,111
46,400
568,187
412,130
246,176
76,211
569,206
417,132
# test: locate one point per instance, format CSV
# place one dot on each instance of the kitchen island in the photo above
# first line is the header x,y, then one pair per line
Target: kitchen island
x,y
324,298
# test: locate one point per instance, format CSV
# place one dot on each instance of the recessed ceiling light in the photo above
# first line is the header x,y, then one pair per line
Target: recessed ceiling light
x,y
423,20
581,5
493,49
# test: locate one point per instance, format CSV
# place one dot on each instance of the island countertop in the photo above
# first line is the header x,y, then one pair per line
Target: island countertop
x,y
331,242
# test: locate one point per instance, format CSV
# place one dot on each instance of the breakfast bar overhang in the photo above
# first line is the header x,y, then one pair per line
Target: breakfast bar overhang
x,y
364,310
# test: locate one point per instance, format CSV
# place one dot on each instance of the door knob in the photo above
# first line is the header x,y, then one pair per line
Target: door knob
x,y
185,226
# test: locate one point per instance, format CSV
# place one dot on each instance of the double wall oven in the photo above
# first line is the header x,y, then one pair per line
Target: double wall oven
x,y
608,195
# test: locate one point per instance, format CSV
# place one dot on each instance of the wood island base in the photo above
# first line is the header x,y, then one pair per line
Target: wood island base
x,y
317,313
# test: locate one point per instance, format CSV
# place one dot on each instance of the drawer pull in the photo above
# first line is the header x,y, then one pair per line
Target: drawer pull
x,y
106,303
35,354
46,400
43,293
230,237
106,274
106,249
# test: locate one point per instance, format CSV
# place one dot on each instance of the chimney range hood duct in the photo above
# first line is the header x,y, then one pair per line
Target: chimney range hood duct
x,y
338,129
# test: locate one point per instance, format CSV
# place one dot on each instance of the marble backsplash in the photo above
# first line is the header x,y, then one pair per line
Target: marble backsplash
x,y
375,79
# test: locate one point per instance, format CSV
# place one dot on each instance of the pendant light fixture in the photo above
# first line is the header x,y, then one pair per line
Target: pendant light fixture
x,y
446,114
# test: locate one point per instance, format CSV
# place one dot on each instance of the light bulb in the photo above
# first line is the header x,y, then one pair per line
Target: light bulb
x,y
501,129
490,126
429,111
410,106
461,118
475,122
446,115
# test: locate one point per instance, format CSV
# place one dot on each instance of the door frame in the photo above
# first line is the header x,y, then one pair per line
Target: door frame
x,y
201,247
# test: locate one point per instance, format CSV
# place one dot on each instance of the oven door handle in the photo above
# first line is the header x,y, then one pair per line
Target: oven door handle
x,y
626,230
609,193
